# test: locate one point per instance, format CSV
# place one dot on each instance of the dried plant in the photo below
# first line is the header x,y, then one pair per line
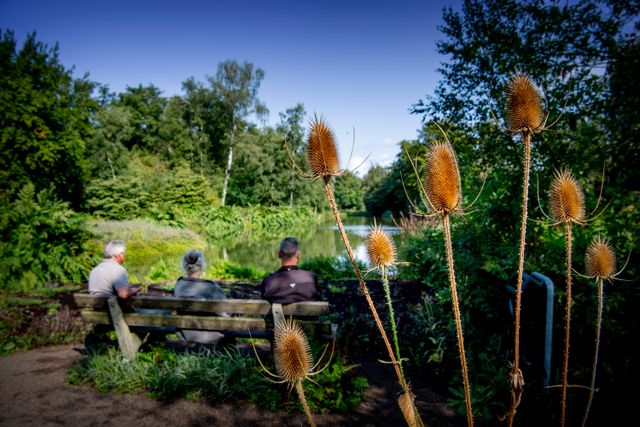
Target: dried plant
x,y
600,262
524,117
293,359
567,207
324,163
442,193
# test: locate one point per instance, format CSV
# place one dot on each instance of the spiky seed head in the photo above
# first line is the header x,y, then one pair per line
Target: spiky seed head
x,y
600,260
292,353
567,198
322,151
442,178
381,249
524,105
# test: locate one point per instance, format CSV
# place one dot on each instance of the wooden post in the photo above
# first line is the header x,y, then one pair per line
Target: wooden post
x,y
278,313
129,342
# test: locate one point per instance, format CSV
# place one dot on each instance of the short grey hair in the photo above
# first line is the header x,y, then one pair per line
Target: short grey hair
x,y
193,261
114,248
289,246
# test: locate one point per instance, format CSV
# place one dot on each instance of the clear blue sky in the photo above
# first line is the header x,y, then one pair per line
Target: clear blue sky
x,y
359,64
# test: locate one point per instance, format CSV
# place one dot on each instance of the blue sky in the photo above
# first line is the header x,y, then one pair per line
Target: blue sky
x,y
359,64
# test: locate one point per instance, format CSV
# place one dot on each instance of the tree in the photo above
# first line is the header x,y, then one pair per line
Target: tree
x,y
145,105
107,153
349,193
237,87
292,129
44,121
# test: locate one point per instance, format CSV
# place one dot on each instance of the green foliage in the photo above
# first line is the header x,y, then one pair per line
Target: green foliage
x,y
224,270
44,121
349,192
213,376
150,188
29,322
336,388
259,221
331,268
43,242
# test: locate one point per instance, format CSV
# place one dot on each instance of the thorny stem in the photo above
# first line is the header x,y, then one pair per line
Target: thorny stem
x,y
516,375
387,291
305,405
567,325
595,356
367,295
456,313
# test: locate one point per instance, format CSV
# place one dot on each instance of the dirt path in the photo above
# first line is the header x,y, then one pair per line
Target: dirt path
x,y
34,392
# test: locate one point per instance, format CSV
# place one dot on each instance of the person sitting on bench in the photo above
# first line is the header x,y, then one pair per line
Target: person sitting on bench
x,y
192,285
289,284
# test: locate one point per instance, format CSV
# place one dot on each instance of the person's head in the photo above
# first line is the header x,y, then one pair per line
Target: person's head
x,y
193,262
115,249
289,252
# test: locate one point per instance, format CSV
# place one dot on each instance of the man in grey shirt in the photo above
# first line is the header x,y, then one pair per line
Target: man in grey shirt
x,y
110,277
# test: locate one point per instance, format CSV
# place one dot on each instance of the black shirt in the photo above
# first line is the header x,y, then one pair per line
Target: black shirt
x,y
289,284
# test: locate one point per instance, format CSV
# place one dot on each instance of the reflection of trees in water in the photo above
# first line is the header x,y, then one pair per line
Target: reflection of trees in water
x,y
321,240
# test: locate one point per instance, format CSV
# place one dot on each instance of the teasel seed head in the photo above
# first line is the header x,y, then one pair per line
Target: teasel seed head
x,y
567,198
292,353
381,249
600,260
323,154
524,105
442,178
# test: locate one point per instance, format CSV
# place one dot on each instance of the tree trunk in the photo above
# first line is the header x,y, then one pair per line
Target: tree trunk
x,y
227,171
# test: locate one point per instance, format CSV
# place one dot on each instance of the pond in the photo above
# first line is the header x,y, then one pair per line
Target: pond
x,y
321,240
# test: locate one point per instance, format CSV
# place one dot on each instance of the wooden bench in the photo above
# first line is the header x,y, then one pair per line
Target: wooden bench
x,y
169,314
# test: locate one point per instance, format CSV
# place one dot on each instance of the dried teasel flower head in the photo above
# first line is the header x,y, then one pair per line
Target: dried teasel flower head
x,y
407,406
322,151
567,198
292,353
442,178
381,249
524,105
600,260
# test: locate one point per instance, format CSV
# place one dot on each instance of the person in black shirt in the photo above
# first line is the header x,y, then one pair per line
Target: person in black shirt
x,y
289,284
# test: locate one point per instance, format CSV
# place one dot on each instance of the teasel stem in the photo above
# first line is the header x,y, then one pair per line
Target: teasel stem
x,y
305,405
387,291
456,313
367,295
517,382
567,326
592,388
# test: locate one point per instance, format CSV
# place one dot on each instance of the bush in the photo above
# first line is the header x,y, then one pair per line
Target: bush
x,y
43,242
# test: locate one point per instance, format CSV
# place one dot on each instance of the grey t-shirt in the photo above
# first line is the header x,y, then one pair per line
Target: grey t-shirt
x,y
107,277
188,287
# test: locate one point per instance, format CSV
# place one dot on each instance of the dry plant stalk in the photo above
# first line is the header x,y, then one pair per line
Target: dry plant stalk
x,y
600,264
525,117
324,163
442,189
567,206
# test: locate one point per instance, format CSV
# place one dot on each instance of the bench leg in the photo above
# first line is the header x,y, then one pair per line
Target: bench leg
x,y
128,341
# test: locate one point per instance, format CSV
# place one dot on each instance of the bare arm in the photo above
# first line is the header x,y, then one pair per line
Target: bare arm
x,y
127,291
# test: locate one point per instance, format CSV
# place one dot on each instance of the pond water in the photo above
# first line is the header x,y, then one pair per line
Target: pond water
x,y
321,240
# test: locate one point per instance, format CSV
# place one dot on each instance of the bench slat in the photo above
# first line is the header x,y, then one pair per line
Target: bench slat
x,y
210,323
307,308
239,306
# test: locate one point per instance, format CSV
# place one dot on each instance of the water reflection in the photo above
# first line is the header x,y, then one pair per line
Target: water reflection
x,y
322,240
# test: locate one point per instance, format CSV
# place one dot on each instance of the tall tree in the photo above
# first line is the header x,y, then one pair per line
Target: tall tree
x,y
237,86
292,128
146,105
44,121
